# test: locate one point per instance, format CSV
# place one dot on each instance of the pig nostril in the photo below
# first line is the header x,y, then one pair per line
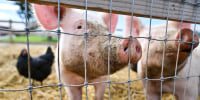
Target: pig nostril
x,y
125,48
137,49
79,27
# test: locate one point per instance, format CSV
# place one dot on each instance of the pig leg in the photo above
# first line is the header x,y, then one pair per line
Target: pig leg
x,y
99,91
199,87
100,88
153,89
152,92
191,89
74,93
189,95
69,78
153,96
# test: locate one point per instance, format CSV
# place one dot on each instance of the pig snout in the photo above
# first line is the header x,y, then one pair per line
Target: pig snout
x,y
187,38
136,51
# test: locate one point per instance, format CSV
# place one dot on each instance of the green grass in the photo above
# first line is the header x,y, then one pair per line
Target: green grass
x,y
31,39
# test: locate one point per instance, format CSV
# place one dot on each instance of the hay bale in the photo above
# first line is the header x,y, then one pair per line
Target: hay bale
x,y
10,79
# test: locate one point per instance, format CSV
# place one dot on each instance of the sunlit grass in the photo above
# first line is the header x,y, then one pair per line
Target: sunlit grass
x,y
31,39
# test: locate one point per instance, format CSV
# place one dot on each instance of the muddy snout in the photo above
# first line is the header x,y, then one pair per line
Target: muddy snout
x,y
131,47
187,38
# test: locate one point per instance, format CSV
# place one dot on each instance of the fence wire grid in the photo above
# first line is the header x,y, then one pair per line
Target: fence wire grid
x,y
86,35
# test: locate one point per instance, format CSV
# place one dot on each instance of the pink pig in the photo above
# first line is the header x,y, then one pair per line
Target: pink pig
x,y
72,49
155,60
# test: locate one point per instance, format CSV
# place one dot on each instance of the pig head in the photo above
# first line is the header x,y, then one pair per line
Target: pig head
x,y
72,48
156,49
155,60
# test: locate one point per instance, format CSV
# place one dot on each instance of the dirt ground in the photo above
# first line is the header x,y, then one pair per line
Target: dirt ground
x,y
10,79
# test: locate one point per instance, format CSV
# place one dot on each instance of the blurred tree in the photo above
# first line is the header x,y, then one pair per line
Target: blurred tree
x,y
21,11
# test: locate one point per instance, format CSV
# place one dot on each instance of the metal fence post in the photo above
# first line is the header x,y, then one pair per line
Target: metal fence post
x,y
10,32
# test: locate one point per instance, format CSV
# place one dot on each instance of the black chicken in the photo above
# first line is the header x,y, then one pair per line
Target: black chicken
x,y
134,67
40,66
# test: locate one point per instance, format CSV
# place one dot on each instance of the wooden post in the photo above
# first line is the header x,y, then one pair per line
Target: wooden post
x,y
10,32
142,8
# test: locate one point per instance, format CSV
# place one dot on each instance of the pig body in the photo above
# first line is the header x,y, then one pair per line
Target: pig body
x,y
192,89
72,48
155,56
155,65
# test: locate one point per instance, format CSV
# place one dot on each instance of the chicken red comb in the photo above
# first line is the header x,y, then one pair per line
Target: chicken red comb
x,y
24,52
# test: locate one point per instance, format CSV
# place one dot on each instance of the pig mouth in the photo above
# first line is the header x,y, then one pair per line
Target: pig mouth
x,y
175,51
180,51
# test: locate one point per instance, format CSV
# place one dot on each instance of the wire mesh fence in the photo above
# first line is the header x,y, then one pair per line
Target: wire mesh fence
x,y
162,79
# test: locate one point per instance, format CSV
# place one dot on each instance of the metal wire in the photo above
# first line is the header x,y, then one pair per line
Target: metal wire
x,y
190,61
149,39
122,82
109,47
175,73
85,56
58,52
108,82
28,50
129,61
81,34
163,57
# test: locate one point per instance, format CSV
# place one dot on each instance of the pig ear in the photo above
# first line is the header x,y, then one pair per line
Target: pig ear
x,y
137,26
114,20
184,25
178,24
47,15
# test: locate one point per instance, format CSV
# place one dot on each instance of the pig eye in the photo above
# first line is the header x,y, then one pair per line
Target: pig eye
x,y
79,27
